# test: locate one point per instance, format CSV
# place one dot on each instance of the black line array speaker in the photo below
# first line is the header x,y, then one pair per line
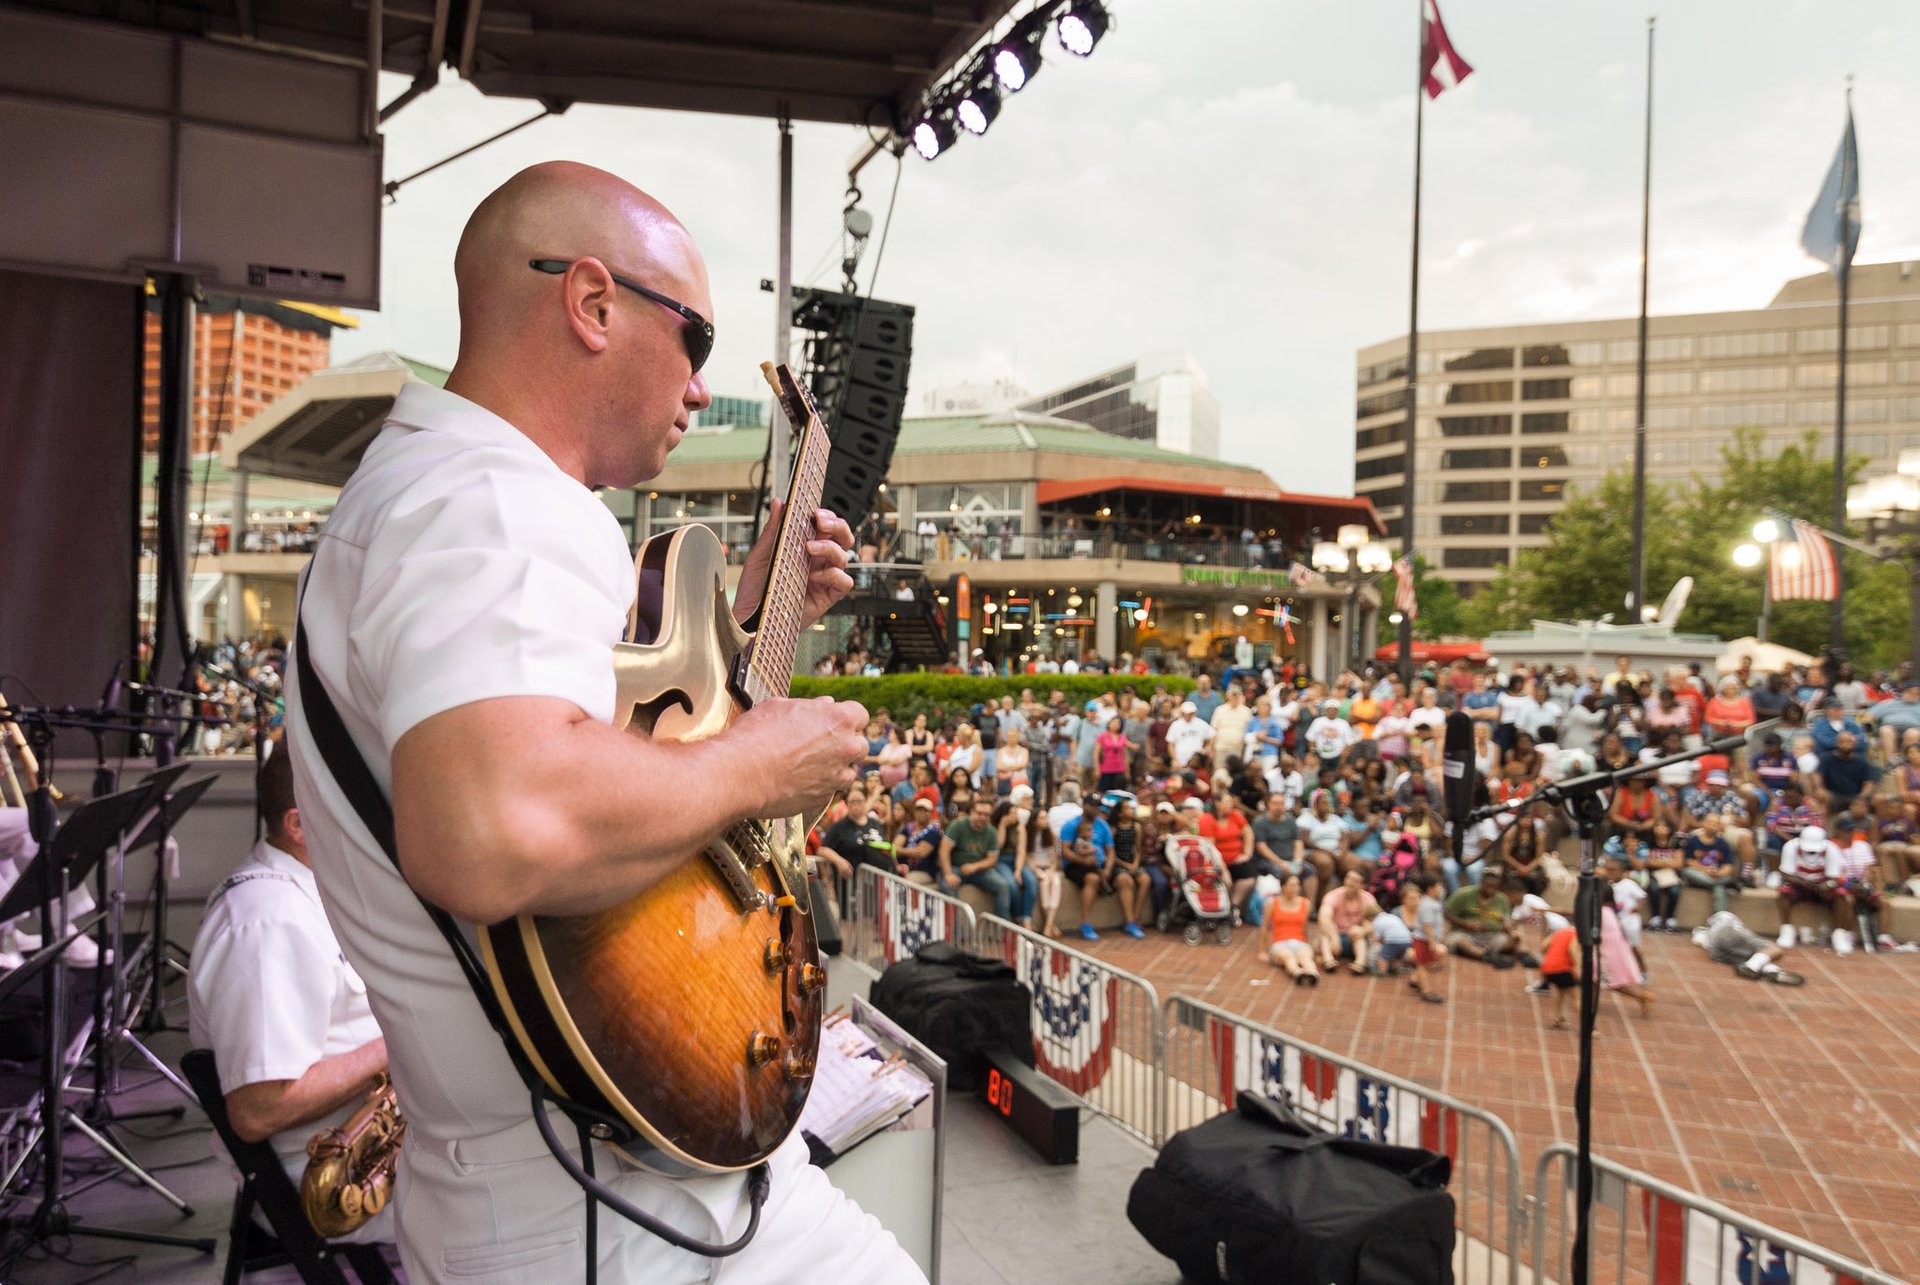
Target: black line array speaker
x,y
858,354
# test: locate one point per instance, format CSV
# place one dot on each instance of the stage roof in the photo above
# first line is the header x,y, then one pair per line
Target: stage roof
x,y
857,62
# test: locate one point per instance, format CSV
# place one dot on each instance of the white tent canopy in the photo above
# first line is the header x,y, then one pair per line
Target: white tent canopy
x,y
1767,657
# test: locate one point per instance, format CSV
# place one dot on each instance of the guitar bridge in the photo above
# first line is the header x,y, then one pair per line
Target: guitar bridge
x,y
734,871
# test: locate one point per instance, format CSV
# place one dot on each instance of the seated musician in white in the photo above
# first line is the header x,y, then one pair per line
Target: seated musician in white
x,y
271,995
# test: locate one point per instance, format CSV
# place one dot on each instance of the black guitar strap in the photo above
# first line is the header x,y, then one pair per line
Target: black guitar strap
x,y
348,767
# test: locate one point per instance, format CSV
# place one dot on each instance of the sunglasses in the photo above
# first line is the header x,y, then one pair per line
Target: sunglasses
x,y
698,332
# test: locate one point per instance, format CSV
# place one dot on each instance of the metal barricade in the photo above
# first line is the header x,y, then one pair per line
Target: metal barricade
x,y
1209,1055
1647,1232
890,918
1096,1028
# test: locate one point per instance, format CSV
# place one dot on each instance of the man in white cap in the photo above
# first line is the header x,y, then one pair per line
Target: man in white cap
x,y
1811,871
1187,735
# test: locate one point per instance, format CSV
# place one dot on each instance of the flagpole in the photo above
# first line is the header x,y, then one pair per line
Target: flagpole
x,y
1837,610
1638,603
1405,637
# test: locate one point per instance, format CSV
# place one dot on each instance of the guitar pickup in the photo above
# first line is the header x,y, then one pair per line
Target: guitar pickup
x,y
737,674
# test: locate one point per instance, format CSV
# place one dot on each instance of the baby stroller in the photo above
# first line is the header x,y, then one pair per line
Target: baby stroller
x,y
1203,897
1395,867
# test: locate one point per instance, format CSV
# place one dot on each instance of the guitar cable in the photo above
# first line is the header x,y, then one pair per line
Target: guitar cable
x,y
759,1184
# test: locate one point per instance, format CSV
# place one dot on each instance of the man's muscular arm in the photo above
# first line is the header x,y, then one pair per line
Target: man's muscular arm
x,y
525,805
329,1086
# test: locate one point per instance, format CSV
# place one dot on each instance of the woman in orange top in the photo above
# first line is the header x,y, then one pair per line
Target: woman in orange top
x,y
1287,945
1731,712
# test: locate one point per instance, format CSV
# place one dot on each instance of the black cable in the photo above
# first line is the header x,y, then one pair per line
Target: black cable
x,y
758,1184
593,1206
893,199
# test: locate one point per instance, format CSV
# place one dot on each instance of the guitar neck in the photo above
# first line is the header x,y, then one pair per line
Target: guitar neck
x,y
770,669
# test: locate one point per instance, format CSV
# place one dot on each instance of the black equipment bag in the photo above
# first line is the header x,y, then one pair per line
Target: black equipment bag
x,y
958,1005
1258,1196
826,921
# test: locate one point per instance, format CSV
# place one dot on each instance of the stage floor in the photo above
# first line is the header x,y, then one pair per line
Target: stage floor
x,y
1795,1106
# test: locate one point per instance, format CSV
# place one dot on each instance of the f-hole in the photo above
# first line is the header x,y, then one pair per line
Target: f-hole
x,y
646,714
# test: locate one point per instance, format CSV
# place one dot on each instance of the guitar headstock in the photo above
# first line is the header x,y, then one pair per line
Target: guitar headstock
x,y
796,401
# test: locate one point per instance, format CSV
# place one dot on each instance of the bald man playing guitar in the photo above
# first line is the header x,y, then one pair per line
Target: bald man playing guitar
x,y
461,611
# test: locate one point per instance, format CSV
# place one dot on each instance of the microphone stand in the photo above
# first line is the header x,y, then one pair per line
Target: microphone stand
x,y
158,961
1582,799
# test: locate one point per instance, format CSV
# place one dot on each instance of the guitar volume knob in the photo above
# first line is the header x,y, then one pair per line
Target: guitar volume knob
x,y
799,1068
813,979
777,955
762,1048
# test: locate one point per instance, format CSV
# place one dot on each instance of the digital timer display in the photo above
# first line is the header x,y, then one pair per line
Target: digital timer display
x,y
1036,1108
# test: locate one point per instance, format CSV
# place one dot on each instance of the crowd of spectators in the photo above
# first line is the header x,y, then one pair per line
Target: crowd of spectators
x,y
1322,798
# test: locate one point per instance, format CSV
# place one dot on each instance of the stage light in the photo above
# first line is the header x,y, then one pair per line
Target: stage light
x,y
978,106
932,136
1016,60
1081,26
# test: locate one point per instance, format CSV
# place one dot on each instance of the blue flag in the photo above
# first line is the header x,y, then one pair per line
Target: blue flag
x,y
1833,224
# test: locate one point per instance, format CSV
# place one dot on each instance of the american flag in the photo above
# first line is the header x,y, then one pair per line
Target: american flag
x,y
1404,600
1801,565
1302,576
1441,66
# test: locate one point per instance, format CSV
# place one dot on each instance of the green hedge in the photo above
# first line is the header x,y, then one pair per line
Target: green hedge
x,y
905,695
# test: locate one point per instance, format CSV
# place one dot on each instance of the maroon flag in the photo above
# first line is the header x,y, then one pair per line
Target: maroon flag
x,y
1441,66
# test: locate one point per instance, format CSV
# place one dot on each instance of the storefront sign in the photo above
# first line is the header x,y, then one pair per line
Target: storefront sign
x,y
1218,576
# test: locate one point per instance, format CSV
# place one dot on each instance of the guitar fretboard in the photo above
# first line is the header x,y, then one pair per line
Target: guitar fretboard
x,y
770,671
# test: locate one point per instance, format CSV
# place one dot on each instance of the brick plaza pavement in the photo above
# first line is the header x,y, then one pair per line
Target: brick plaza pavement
x,y
1798,1107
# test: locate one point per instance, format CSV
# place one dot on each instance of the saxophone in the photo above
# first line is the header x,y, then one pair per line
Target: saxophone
x,y
349,1171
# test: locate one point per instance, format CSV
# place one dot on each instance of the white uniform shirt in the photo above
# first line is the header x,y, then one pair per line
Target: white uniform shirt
x,y
270,993
461,564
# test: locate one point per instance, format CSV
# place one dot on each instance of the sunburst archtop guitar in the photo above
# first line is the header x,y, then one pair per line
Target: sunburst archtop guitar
x,y
693,1010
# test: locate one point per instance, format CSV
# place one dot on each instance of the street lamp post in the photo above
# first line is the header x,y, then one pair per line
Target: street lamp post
x,y
1355,557
1748,556
1889,507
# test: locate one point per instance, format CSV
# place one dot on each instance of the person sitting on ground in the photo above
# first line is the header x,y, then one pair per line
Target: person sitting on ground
x,y
1728,941
1344,915
1477,916
1286,918
1663,862
1086,844
1810,874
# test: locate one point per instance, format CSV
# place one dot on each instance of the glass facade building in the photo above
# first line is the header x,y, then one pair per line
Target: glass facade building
x,y
1163,399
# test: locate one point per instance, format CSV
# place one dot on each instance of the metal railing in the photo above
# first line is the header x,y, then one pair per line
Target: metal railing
x,y
1643,1230
1210,1055
1096,1028
890,918
994,546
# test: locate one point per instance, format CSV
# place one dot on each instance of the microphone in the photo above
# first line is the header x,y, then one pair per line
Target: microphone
x,y
110,698
1458,778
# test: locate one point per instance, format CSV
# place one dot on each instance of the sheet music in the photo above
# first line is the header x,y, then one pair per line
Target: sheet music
x,y
857,1090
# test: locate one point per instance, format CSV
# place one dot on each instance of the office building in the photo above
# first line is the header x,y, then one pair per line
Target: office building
x,y
247,353
1510,418
1162,398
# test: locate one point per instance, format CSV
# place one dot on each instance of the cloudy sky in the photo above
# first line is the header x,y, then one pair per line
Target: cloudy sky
x,y
1232,178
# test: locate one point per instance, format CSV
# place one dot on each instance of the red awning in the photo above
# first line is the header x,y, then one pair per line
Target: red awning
x,y
1052,492
1441,653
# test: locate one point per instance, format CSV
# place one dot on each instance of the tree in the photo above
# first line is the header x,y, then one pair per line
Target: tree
x,y
1440,604
1585,569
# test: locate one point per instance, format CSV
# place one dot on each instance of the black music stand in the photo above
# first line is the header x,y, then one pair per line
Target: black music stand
x,y
66,856
118,1000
